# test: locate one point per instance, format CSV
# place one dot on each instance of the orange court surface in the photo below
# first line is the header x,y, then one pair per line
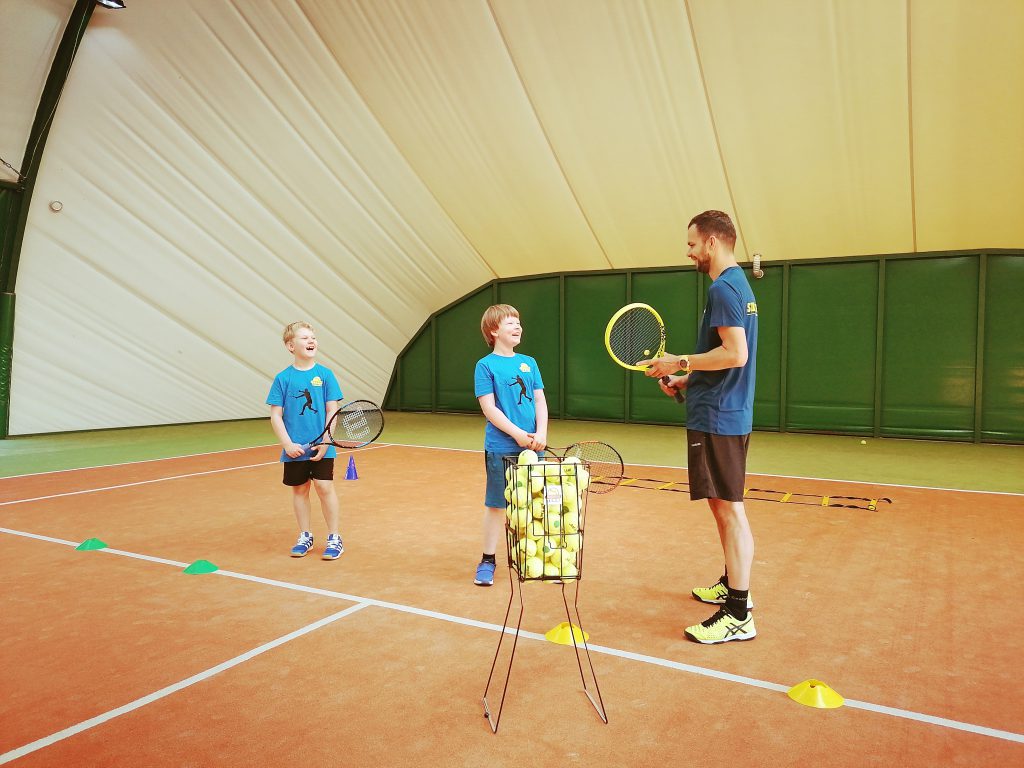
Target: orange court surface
x,y
115,657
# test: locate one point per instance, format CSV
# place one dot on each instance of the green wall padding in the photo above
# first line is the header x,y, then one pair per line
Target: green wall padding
x,y
930,349
459,345
417,373
768,389
830,380
538,302
935,360
1002,415
6,359
594,386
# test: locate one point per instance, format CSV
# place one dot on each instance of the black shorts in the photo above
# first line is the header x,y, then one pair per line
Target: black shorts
x,y
301,472
716,465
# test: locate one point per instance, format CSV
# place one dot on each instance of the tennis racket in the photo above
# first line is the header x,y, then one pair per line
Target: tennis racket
x,y
636,332
606,468
356,424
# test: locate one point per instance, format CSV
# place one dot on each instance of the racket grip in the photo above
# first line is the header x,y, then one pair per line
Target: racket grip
x,y
680,398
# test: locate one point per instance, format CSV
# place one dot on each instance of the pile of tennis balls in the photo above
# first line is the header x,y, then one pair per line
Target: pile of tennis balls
x,y
544,504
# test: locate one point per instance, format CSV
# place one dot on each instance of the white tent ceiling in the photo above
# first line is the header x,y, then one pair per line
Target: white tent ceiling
x,y
227,166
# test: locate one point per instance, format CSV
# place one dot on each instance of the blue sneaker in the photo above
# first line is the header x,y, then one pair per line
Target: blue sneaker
x,y
334,547
303,545
484,574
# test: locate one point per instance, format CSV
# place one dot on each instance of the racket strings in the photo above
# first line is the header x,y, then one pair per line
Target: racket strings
x,y
606,467
356,426
637,335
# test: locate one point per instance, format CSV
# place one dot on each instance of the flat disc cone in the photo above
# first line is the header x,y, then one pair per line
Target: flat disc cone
x,y
201,566
564,636
814,693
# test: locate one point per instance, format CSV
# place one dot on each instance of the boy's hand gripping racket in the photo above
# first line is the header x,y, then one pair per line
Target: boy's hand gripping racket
x,y
637,332
354,425
606,469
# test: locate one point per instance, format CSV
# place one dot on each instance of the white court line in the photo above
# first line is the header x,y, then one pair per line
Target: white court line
x,y
92,722
473,450
630,655
168,459
131,485
140,461
759,474
148,482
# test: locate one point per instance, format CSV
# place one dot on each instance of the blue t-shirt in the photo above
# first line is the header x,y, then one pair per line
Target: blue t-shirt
x,y
512,381
722,402
304,396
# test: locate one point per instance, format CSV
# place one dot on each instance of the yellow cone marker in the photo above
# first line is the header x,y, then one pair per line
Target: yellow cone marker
x,y
814,693
564,636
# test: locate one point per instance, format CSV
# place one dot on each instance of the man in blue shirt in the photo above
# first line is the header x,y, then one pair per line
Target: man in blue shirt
x,y
719,381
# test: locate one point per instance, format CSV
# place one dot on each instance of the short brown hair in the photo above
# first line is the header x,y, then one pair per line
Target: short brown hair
x,y
493,317
292,329
715,223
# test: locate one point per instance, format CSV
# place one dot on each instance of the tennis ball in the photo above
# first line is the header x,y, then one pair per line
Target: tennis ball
x,y
519,518
553,523
547,545
520,496
566,560
582,478
552,469
571,522
571,542
570,501
569,570
550,569
863,442
528,457
535,529
534,567
527,547
537,508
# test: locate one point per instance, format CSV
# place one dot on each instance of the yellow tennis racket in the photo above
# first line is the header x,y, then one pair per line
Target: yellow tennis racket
x,y
636,332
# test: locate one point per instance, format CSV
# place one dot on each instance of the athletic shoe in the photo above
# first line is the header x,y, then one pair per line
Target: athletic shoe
x,y
721,628
484,574
334,547
303,545
716,594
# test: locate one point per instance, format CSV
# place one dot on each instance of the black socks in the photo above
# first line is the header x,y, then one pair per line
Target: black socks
x,y
736,603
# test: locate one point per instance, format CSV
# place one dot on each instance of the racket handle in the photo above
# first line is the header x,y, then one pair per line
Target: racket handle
x,y
680,398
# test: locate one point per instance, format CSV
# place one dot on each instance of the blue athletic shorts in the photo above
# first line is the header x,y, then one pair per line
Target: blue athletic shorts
x,y
494,496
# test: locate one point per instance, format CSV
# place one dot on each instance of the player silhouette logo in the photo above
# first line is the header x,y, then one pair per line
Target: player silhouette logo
x,y
309,401
522,389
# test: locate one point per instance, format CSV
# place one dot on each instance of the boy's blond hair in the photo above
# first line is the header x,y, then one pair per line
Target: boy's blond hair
x,y
292,329
493,317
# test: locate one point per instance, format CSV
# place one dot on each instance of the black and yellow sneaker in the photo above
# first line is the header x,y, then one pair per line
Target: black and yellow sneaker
x,y
716,594
721,628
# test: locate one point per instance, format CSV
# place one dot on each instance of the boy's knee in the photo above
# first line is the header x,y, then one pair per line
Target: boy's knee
x,y
324,487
